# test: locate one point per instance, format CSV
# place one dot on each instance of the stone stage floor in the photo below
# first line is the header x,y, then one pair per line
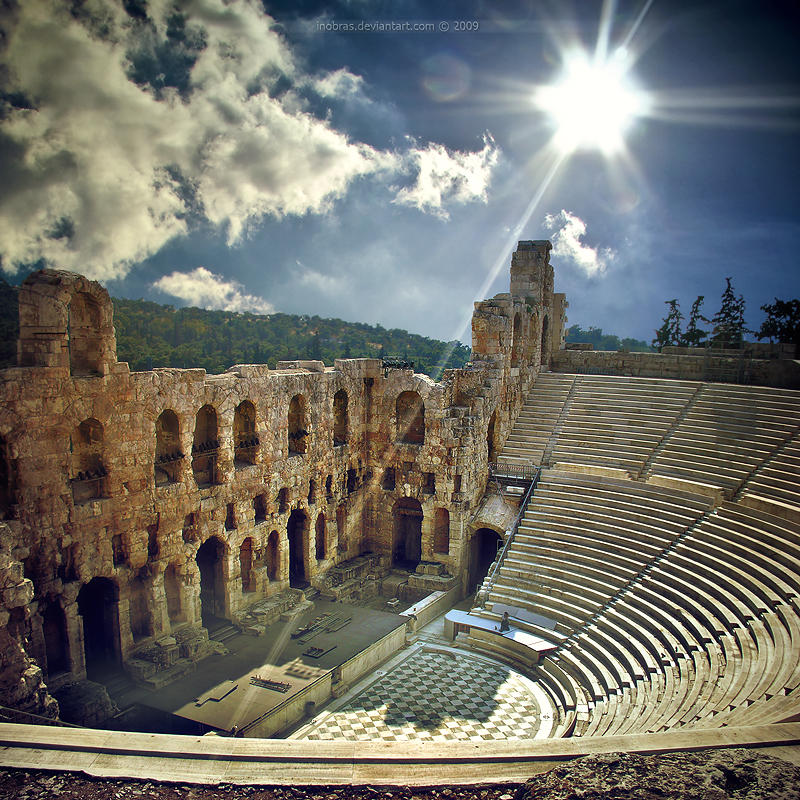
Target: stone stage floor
x,y
224,679
436,694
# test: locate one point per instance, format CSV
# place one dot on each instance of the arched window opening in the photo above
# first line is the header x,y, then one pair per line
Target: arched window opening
x,y
68,568
297,531
172,590
169,456
8,482
352,480
298,426
260,508
283,501
205,448
441,532
153,547
211,563
410,418
545,354
273,556
98,605
491,443
340,418
190,528
245,441
407,538
516,342
246,565
54,629
429,483
329,488
230,517
319,538
119,552
389,479
312,492
88,471
141,617
85,339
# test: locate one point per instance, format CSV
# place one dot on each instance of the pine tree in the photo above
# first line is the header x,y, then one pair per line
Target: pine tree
x,y
728,322
670,331
782,322
693,336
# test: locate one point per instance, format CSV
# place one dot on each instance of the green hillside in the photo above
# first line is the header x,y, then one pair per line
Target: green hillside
x,y
152,335
605,341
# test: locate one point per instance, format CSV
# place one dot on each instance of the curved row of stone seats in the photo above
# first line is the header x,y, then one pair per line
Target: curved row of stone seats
x,y
537,419
617,421
776,485
583,538
728,433
759,650
703,631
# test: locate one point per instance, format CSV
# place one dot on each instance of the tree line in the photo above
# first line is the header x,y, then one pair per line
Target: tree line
x,y
728,328
153,335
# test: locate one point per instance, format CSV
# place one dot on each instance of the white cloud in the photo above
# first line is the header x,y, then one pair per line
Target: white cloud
x,y
124,168
206,289
325,284
568,230
448,177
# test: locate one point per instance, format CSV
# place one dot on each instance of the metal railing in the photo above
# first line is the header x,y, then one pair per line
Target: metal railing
x,y
523,472
488,584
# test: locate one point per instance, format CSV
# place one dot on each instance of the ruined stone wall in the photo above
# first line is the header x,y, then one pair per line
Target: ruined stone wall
x,y
166,497
782,373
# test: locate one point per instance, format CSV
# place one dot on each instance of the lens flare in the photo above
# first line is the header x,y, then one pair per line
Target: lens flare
x,y
593,104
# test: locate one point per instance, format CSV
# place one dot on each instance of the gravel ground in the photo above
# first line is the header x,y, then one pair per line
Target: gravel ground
x,y
41,785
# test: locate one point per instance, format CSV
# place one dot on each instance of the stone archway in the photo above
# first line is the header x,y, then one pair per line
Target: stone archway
x,y
98,604
54,630
484,545
211,561
297,531
407,535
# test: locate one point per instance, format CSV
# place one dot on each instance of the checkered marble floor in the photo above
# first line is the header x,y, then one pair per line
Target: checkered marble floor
x,y
436,697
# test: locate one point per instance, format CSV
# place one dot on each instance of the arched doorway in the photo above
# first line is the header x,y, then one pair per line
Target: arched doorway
x,y
483,551
210,561
407,538
320,549
98,604
273,557
297,531
54,628
246,565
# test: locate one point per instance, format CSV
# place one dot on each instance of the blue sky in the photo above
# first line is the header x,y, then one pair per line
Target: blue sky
x,y
263,157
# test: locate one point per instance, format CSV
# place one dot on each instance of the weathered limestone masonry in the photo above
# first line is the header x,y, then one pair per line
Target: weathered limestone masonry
x,y
763,365
144,506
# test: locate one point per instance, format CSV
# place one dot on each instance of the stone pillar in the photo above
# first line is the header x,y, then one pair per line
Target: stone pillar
x,y
158,605
74,624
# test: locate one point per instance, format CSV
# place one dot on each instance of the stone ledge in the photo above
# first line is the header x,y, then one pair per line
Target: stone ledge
x,y
265,762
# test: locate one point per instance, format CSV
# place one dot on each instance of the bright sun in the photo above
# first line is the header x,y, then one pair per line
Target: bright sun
x,y
593,103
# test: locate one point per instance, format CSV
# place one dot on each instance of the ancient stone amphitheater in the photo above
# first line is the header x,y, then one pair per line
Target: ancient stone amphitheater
x,y
640,514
